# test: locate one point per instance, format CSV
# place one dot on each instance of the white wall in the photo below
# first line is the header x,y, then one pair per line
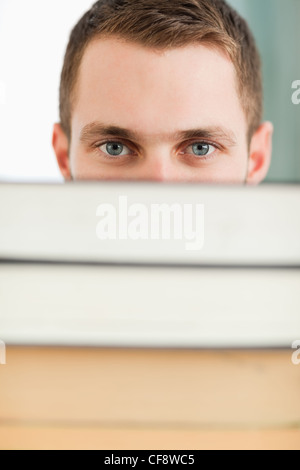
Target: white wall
x,y
33,38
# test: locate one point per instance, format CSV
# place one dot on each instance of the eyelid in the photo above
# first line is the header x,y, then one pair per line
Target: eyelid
x,y
132,152
202,142
98,146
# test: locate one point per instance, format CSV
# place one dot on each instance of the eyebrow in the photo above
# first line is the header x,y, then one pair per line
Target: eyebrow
x,y
95,130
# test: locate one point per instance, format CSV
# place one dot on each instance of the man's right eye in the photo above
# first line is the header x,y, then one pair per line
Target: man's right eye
x,y
115,149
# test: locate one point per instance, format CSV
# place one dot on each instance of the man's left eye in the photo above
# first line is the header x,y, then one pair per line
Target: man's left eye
x,y
200,149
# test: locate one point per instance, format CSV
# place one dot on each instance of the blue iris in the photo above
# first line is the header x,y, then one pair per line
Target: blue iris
x,y
114,148
200,149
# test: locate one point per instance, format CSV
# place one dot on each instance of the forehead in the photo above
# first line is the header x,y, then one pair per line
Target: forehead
x,y
125,84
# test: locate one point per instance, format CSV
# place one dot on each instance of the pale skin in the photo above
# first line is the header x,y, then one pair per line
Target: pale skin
x,y
165,116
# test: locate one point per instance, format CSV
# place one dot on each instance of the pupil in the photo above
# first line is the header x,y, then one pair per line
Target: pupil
x,y
114,149
201,149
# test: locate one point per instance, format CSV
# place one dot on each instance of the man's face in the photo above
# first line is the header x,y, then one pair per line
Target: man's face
x,y
173,115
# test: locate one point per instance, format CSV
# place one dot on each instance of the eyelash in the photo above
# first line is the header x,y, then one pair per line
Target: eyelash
x,y
203,157
111,157
116,158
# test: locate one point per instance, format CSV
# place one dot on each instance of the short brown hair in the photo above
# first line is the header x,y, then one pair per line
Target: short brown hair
x,y
165,24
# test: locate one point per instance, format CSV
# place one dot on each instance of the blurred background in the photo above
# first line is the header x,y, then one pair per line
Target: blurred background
x,y
33,38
